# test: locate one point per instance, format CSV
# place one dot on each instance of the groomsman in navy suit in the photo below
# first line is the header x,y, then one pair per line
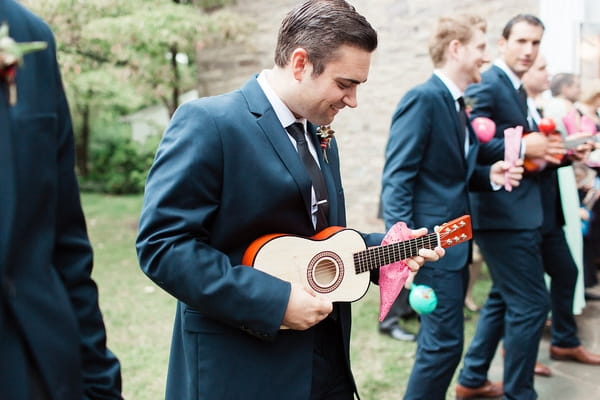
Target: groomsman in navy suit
x,y
53,341
507,227
430,166
556,254
232,168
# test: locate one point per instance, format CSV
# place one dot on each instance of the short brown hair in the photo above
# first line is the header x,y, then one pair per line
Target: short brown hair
x,y
560,81
449,28
529,18
321,27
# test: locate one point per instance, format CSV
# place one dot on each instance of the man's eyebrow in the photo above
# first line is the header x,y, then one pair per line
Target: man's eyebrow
x,y
354,81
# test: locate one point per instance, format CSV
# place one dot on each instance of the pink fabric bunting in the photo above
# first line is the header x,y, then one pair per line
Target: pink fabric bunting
x,y
512,149
392,277
574,123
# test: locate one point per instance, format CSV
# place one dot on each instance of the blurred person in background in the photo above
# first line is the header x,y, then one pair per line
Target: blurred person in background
x,y
53,344
560,203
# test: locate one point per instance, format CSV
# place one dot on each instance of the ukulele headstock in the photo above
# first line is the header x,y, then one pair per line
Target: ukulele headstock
x,y
456,231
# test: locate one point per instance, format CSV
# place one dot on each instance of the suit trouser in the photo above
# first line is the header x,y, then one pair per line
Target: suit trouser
x,y
331,377
441,337
515,311
590,269
559,264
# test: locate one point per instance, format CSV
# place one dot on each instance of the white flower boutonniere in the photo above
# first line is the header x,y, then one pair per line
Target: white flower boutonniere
x,y
469,104
11,57
325,134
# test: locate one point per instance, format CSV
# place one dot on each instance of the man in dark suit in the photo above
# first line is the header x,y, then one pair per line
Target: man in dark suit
x,y
430,166
226,173
507,226
556,254
53,344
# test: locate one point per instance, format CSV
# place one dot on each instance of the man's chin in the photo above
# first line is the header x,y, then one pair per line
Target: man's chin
x,y
324,121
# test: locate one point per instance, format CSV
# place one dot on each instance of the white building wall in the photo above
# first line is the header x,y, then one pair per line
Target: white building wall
x,y
563,21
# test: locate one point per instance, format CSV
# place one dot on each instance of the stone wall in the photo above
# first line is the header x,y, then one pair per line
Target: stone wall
x,y
400,62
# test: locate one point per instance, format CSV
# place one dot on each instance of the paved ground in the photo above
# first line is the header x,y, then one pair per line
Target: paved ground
x,y
570,380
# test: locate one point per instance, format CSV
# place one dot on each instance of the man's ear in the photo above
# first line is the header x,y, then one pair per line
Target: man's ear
x,y
501,44
453,48
299,62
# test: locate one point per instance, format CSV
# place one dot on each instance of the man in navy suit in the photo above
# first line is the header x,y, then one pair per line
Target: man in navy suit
x,y
507,226
53,344
556,254
429,168
226,173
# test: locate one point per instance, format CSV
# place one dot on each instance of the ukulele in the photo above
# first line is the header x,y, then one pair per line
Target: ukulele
x,y
335,261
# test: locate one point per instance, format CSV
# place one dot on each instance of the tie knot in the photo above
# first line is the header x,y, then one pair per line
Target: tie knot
x,y
297,131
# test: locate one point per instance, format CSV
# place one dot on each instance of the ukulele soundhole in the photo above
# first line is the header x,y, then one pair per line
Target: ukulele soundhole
x,y
325,272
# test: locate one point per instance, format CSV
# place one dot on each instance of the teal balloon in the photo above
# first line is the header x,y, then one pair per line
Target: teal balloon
x,y
422,299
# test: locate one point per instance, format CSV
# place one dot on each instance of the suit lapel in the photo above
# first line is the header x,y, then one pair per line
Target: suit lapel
x,y
514,94
450,105
7,176
471,158
276,134
271,127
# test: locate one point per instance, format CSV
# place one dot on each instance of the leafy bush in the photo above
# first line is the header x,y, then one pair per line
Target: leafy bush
x,y
119,165
210,5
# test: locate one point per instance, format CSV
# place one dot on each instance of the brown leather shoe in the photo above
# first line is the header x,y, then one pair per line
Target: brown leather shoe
x,y
489,389
541,370
579,354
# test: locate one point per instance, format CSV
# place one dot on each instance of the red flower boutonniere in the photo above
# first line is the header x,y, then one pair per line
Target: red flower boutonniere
x,y
325,134
11,57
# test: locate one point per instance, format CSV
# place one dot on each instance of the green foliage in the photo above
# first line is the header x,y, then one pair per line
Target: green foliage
x,y
130,46
155,47
138,315
119,56
118,165
213,4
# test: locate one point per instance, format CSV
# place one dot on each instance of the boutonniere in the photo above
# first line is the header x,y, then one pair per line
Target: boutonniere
x,y
469,104
325,134
11,57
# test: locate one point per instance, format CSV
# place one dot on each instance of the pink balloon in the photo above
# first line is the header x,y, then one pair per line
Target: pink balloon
x,y
484,128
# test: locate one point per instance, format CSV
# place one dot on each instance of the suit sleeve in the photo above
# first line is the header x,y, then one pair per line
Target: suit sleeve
x,y
175,240
73,260
407,143
482,95
480,179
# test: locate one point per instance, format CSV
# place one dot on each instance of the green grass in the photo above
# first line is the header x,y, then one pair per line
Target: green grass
x,y
381,364
139,315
